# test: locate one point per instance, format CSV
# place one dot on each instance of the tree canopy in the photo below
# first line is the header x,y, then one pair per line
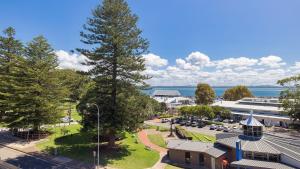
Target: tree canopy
x,y
204,94
115,52
237,93
290,97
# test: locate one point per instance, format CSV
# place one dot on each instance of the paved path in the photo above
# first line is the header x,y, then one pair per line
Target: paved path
x,y
144,139
162,151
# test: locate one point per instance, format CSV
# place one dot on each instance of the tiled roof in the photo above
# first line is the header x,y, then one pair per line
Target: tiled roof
x,y
188,145
261,164
166,93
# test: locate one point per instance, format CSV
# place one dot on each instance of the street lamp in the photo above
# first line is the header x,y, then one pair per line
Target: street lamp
x,y
98,114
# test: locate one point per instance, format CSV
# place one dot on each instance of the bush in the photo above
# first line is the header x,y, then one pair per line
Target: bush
x,y
182,133
214,122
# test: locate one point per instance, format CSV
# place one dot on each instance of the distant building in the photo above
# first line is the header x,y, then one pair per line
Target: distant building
x,y
172,98
266,110
166,93
249,149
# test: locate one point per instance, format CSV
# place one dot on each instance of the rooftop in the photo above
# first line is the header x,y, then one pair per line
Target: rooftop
x,y
246,107
167,93
188,145
260,164
251,121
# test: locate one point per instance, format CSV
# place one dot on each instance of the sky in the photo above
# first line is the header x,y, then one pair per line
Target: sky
x,y
223,43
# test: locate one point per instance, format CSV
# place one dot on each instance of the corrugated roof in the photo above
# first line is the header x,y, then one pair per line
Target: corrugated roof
x,y
249,145
215,152
188,145
260,164
251,121
166,93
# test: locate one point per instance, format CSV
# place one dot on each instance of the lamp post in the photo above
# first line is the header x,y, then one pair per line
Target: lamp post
x,y
98,114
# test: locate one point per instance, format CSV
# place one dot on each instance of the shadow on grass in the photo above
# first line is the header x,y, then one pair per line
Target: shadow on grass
x,y
80,146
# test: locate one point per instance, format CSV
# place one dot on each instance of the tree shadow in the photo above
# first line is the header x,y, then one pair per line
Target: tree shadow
x,y
80,146
30,162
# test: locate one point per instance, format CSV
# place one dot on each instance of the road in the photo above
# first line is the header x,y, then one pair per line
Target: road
x,y
25,161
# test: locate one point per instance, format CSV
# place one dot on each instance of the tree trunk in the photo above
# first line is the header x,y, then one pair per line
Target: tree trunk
x,y
112,140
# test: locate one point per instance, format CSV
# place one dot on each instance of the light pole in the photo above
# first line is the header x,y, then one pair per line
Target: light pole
x,y
98,114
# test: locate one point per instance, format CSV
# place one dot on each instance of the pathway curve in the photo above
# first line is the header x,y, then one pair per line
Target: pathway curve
x,y
162,151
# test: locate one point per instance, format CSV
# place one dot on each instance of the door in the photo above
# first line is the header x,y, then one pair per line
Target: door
x,y
201,159
213,163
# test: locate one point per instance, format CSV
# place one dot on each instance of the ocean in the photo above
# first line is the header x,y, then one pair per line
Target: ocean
x,y
189,91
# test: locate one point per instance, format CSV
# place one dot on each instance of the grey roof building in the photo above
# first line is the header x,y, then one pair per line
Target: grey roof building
x,y
166,93
248,149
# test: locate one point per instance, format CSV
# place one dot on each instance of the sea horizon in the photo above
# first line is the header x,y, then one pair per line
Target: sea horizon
x,y
189,91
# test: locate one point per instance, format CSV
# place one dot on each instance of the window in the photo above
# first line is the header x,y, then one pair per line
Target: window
x,y
187,157
273,157
247,155
260,156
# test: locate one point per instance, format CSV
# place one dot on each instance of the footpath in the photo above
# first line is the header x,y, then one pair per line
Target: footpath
x,y
162,151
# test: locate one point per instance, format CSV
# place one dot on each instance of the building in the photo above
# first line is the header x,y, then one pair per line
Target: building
x,y
266,110
172,98
248,149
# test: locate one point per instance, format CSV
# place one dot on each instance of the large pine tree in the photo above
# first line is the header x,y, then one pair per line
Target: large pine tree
x,y
11,61
115,52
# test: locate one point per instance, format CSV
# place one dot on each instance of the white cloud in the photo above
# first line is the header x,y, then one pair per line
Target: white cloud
x,y
198,67
198,58
236,62
155,61
71,61
271,61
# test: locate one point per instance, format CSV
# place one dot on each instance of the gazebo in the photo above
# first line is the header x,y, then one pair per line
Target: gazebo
x,y
252,127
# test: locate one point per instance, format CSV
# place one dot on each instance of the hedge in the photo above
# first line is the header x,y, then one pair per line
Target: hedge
x,y
182,133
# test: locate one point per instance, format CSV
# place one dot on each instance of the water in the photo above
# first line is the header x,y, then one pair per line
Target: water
x,y
190,90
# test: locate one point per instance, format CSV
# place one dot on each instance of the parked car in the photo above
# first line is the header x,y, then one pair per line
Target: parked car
x,y
226,121
201,124
164,120
66,119
226,129
219,128
234,127
194,124
188,123
212,127
182,123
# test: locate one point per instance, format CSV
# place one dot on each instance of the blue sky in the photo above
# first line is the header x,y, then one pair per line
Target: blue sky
x,y
175,28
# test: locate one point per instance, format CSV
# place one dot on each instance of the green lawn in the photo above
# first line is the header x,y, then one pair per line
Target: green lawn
x,y
74,114
129,154
157,139
202,137
158,128
172,167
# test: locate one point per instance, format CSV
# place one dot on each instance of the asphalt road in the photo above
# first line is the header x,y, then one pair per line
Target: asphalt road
x,y
24,161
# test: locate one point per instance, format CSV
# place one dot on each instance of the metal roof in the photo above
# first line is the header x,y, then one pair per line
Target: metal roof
x,y
215,152
251,121
259,164
249,144
188,145
166,93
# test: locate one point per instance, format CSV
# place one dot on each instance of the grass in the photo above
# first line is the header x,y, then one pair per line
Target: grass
x,y
157,128
172,167
157,139
202,137
77,145
74,114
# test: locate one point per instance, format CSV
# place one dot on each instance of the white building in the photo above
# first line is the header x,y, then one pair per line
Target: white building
x,y
267,110
172,98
